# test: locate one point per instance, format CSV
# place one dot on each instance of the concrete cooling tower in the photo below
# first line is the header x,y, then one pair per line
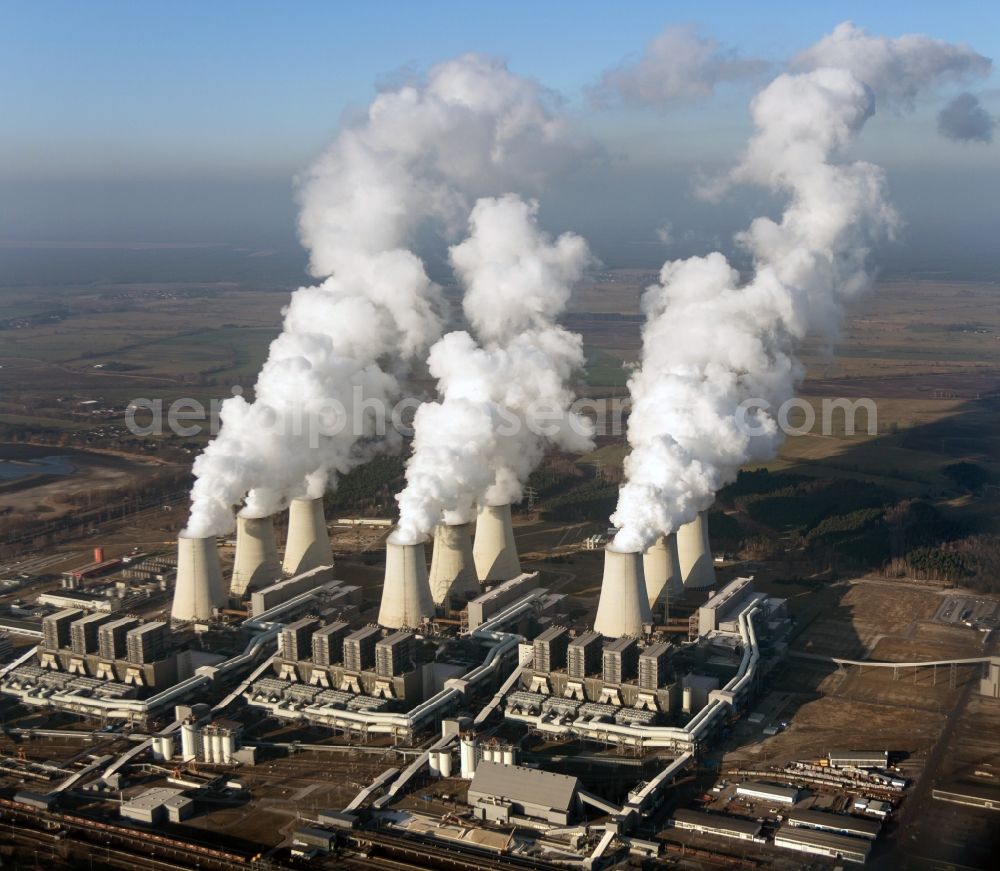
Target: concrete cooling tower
x,y
453,568
308,543
256,564
662,570
200,587
695,552
624,604
406,593
494,550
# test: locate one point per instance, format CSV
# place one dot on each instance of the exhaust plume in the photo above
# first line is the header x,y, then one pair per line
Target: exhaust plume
x,y
895,68
718,356
473,127
504,400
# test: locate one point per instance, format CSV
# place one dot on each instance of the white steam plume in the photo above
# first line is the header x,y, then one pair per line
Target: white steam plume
x,y
895,68
420,152
502,402
710,344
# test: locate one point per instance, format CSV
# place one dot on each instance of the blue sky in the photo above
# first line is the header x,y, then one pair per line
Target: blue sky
x,y
253,89
116,114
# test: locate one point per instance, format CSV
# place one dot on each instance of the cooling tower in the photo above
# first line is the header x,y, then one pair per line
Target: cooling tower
x,y
256,564
308,543
624,604
661,567
453,568
494,550
406,593
695,553
199,587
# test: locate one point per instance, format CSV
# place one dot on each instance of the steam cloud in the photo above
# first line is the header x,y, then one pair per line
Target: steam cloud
x,y
678,65
709,344
473,127
505,399
895,68
965,120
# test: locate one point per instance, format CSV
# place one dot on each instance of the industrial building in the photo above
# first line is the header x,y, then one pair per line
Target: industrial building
x,y
858,759
768,791
839,823
820,843
500,792
981,795
718,824
157,806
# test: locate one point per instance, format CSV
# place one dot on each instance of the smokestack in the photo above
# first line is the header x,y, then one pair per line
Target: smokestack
x,y
624,604
406,593
256,564
453,568
200,587
493,550
308,543
695,553
662,570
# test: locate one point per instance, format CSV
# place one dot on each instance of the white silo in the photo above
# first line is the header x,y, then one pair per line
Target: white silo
x,y
508,755
624,605
661,568
228,747
167,746
308,543
256,563
468,756
687,700
199,589
406,593
695,554
453,568
216,748
494,550
444,763
434,763
189,742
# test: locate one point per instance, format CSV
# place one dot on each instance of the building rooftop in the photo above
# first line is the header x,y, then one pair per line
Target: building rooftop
x,y
654,650
843,844
551,633
396,638
721,822
619,644
788,793
532,785
147,627
585,639
820,819
153,798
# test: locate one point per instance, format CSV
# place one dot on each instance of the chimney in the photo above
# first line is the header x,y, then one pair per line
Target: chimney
x,y
308,544
624,604
199,588
494,550
453,569
406,592
695,553
661,568
256,564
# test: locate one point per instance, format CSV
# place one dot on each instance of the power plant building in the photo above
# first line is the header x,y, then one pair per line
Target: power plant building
x,y
112,637
499,792
147,643
83,637
395,654
296,639
621,660
55,628
584,655
328,643
359,648
654,666
550,649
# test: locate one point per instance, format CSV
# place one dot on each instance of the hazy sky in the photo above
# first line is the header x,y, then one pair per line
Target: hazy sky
x,y
183,120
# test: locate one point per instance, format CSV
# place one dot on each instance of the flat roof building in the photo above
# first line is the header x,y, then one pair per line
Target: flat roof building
x,y
515,790
296,639
111,637
858,758
768,791
823,844
839,823
653,664
83,632
717,824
